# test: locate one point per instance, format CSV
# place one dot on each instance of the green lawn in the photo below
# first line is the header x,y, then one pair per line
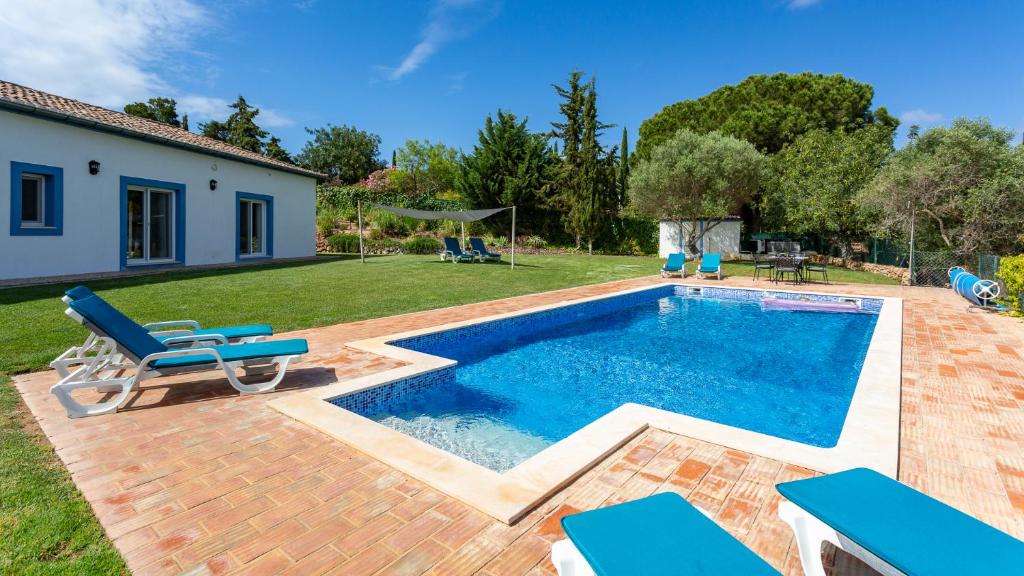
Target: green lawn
x,y
45,525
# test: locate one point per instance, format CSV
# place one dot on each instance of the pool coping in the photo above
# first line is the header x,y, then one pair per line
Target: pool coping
x,y
869,438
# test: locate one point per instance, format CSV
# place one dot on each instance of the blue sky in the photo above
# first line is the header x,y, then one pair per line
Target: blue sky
x,y
436,69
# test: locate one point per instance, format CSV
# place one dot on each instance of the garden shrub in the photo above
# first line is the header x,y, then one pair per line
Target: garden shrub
x,y
327,219
384,246
497,241
345,243
1011,272
422,245
535,242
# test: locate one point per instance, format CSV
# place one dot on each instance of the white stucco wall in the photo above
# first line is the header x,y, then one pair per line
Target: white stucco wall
x,y
724,238
91,237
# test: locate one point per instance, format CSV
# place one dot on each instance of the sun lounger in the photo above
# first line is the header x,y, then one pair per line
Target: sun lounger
x,y
710,264
79,355
454,251
658,535
892,528
481,251
152,358
676,264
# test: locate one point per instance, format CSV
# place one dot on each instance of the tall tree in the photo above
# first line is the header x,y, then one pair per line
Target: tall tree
x,y
693,177
274,150
344,153
160,109
585,187
623,170
240,129
962,186
508,167
184,122
769,111
814,182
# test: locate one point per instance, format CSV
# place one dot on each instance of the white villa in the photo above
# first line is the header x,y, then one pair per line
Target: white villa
x,y
93,191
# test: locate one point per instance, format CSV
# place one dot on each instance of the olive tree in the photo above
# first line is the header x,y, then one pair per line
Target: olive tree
x,y
962,185
693,177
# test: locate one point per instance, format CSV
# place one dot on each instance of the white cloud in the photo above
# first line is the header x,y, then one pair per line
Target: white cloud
x,y
110,52
449,20
798,4
920,117
457,82
100,51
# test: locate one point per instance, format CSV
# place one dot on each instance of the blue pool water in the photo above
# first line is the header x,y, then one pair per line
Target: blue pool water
x,y
522,386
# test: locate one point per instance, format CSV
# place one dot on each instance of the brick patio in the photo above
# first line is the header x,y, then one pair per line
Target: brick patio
x,y
191,477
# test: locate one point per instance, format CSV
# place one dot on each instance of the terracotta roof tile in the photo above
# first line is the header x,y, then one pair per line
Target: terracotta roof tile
x,y
74,111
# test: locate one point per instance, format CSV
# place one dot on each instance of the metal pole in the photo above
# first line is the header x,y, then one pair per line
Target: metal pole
x,y
913,210
359,213
513,237
463,235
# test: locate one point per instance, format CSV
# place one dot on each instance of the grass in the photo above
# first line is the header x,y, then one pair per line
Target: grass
x,y
47,527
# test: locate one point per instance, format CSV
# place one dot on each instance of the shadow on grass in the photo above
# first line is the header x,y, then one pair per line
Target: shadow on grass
x,y
19,294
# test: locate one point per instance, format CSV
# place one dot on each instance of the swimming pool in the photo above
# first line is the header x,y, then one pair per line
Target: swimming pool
x,y
526,382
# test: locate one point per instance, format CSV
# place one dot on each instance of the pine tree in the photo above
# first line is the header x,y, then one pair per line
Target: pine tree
x,y
586,176
623,185
240,129
274,150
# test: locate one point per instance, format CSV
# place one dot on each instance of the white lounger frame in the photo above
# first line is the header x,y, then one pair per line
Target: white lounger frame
x,y
810,533
104,371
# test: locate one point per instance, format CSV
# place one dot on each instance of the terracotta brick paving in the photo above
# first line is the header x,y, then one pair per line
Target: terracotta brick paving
x,y
191,477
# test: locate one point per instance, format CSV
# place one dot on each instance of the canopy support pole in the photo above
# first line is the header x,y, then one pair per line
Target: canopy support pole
x,y
513,237
359,214
463,234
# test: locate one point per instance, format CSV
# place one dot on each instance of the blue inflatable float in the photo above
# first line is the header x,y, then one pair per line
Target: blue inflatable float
x,y
980,292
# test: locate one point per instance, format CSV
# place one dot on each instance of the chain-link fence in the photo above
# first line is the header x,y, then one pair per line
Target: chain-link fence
x,y
930,268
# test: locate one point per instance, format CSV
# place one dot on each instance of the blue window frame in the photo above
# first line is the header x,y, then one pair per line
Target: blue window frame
x,y
152,223
254,226
37,200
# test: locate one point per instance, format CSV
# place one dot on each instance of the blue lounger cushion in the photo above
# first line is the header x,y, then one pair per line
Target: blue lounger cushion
x,y
913,532
675,262
660,534
710,262
235,352
229,332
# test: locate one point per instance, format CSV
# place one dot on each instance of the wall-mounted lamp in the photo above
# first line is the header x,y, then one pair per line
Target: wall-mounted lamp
x,y
94,167
213,184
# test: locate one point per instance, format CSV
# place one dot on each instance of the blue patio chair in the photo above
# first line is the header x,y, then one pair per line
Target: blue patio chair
x,y
153,358
481,251
660,534
710,264
454,251
892,528
78,355
676,264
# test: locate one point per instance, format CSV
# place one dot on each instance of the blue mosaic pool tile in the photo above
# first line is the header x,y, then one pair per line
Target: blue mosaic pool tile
x,y
381,398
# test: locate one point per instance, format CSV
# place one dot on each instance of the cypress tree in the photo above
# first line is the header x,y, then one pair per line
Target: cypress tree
x,y
623,168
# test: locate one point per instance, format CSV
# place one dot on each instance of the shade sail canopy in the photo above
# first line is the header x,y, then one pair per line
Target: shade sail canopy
x,y
460,215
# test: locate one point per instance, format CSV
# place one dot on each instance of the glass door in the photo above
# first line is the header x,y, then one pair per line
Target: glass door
x,y
150,225
251,227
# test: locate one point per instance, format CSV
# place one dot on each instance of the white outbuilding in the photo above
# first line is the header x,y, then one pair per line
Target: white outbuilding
x,y
93,191
722,238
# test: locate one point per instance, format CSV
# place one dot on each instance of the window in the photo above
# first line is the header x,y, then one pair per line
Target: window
x,y
36,200
255,224
33,201
152,223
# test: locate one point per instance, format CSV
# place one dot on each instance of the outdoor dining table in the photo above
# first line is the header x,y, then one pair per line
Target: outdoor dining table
x,y
798,259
